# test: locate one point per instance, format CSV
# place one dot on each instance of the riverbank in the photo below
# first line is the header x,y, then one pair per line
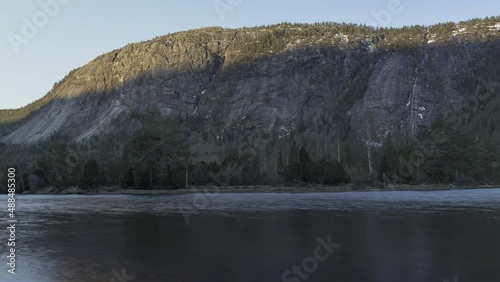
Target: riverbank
x,y
257,189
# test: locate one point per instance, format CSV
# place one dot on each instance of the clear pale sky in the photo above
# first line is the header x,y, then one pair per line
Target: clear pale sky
x,y
80,30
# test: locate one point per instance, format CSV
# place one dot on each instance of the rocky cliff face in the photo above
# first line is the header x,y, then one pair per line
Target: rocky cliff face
x,y
314,81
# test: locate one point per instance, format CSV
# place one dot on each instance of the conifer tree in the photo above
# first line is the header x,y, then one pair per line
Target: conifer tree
x,y
91,175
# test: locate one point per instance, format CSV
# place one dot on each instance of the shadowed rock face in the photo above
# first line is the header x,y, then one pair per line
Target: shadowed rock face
x,y
411,90
206,74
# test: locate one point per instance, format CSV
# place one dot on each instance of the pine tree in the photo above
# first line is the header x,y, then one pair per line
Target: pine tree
x,y
294,172
91,175
389,161
305,164
281,170
156,151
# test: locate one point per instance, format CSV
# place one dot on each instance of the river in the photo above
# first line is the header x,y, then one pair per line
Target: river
x,y
332,237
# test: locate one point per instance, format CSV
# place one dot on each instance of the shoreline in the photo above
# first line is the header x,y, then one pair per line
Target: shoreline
x,y
258,189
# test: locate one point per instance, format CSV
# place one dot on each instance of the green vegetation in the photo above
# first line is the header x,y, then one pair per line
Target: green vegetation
x,y
91,175
302,169
155,156
276,38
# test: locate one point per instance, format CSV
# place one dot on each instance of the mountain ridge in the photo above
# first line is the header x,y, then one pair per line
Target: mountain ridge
x,y
493,24
202,54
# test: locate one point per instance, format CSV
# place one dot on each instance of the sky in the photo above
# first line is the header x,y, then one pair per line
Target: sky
x,y
42,40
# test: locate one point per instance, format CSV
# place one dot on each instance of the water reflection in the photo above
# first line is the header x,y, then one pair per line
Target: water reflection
x,y
384,237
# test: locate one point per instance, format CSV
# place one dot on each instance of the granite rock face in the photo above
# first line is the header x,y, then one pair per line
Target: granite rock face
x,y
306,87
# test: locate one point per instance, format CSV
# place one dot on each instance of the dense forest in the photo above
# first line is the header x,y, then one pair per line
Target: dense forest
x,y
155,157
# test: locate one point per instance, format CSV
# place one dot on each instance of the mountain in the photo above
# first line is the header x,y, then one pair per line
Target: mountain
x,y
336,89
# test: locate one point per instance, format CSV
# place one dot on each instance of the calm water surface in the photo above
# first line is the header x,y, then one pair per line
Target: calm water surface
x,y
383,237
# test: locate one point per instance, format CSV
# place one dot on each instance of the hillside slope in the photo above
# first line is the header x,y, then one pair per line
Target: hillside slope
x,y
314,80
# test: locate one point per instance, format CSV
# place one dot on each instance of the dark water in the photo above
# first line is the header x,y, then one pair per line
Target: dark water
x,y
383,237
